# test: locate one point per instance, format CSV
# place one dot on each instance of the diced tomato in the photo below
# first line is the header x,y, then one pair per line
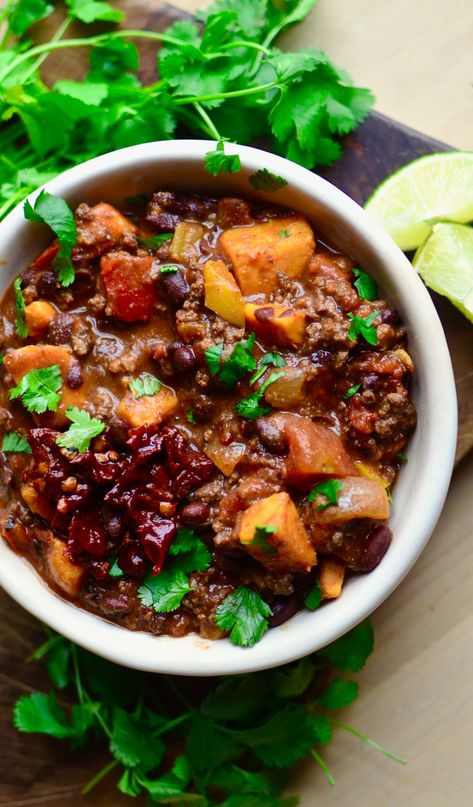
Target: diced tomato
x,y
46,258
130,289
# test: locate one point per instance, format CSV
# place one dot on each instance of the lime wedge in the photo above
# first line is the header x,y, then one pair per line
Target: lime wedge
x,y
445,263
433,188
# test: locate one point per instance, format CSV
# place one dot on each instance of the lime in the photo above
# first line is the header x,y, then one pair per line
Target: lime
x,y
445,263
433,188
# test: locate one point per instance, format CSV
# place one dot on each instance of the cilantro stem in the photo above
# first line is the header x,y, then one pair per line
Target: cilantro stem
x,y
57,36
176,691
323,765
243,44
368,741
77,676
209,124
172,724
217,96
101,774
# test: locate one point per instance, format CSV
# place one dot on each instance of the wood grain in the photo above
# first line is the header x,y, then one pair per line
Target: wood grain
x,y
428,665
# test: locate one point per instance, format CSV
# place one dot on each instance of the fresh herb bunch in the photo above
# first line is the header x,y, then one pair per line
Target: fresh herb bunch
x,y
229,747
221,77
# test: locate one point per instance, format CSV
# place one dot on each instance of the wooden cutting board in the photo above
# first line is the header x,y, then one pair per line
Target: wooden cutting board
x,y
39,771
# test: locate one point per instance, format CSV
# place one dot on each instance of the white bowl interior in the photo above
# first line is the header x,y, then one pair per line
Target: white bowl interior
x,y
421,489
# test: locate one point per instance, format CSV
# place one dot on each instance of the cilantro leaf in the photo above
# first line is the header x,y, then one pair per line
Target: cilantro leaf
x,y
237,697
287,736
20,324
339,693
14,442
172,784
168,268
115,570
38,389
164,591
365,285
190,417
212,357
292,682
146,385
363,326
55,212
209,746
264,180
402,457
352,391
193,554
41,714
94,11
26,13
82,430
249,407
217,162
330,489
261,539
245,615
268,359
131,745
349,652
313,597
240,362
155,241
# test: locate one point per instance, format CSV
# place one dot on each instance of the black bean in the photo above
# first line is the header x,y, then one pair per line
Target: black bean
x,y
175,286
118,429
373,549
195,513
113,523
74,377
271,436
47,283
321,357
371,380
184,359
283,608
59,332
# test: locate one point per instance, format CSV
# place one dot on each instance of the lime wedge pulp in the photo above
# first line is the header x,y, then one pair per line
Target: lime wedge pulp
x,y
438,187
445,264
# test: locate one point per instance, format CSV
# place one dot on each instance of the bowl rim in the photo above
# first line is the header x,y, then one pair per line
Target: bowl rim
x,y
307,632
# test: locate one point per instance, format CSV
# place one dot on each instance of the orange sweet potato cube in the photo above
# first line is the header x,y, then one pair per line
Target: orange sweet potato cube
x,y
38,315
331,577
222,294
259,252
286,546
35,357
66,574
100,228
149,408
315,451
277,324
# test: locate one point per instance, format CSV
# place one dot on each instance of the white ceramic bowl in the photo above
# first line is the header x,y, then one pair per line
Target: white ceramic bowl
x,y
422,486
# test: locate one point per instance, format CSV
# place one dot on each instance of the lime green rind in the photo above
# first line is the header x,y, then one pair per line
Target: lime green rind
x,y
432,188
445,263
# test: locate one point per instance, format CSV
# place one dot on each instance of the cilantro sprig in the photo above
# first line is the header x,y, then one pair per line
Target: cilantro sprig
x,y
363,326
147,384
15,443
20,324
267,360
39,389
365,285
154,241
223,79
165,591
56,213
82,430
245,615
249,407
329,489
240,362
181,744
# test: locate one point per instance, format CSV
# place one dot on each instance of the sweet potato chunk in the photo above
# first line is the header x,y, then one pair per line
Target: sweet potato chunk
x,y
358,497
99,229
276,324
257,253
66,574
38,315
149,408
315,451
287,548
37,502
129,285
34,357
331,577
222,294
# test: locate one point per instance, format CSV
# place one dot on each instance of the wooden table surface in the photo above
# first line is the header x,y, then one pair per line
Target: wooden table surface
x,y
416,690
